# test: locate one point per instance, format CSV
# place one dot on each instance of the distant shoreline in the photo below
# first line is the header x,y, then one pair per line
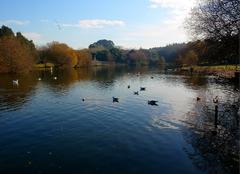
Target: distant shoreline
x,y
225,71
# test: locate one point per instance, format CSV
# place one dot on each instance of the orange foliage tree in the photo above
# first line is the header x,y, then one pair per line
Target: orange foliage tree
x,y
84,57
14,56
61,54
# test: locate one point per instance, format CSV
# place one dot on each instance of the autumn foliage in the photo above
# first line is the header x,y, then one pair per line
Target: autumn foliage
x,y
17,54
84,58
59,54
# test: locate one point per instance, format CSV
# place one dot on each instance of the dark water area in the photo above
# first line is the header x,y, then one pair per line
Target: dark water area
x,y
46,127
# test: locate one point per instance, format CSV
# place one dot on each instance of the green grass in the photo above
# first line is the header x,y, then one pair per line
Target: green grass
x,y
213,68
218,68
47,65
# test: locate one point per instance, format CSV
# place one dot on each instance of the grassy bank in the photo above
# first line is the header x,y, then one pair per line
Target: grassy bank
x,y
220,70
47,65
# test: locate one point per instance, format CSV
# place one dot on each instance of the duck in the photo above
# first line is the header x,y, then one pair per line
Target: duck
x,y
115,100
39,79
15,82
83,99
152,77
152,102
136,93
215,100
198,98
143,89
55,78
128,86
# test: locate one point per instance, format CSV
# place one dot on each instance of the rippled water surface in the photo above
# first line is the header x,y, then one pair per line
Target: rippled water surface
x,y
45,127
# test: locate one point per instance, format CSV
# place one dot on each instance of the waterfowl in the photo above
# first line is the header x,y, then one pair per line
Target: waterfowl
x,y
39,79
83,99
15,82
215,100
136,93
152,77
55,78
198,98
143,89
128,86
153,102
115,99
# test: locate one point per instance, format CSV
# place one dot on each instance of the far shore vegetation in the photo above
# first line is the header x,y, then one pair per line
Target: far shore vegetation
x,y
215,47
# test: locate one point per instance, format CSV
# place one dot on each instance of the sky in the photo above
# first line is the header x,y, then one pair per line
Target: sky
x,y
128,23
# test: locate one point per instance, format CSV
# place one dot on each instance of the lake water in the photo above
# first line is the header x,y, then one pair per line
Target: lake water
x,y
45,127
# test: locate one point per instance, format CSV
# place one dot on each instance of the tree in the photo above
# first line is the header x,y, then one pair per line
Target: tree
x,y
101,55
107,44
104,50
216,19
169,52
116,55
60,54
219,21
14,56
190,58
137,57
17,54
84,58
28,43
6,32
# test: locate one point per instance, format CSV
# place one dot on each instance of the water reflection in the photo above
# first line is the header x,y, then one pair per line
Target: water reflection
x,y
14,96
48,116
216,150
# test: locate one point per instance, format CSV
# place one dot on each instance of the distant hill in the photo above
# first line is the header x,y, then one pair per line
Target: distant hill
x,y
107,44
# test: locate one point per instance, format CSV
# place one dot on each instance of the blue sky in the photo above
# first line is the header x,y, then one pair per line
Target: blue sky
x,y
129,23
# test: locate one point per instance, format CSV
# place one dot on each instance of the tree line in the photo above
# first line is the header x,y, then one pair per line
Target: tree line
x,y
215,25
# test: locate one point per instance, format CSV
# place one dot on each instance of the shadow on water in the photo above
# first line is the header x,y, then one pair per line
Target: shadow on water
x,y
215,142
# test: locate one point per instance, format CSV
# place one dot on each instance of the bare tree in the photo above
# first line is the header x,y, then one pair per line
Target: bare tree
x,y
217,22
215,19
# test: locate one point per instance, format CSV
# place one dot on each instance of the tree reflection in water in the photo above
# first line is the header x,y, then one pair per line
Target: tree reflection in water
x,y
15,96
214,149
12,96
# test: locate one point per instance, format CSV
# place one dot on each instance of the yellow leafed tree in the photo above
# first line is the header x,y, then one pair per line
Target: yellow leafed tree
x,y
14,56
84,57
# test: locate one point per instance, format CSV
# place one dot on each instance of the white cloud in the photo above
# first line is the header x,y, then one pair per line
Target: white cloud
x,y
14,22
96,23
168,30
177,9
155,35
36,37
174,4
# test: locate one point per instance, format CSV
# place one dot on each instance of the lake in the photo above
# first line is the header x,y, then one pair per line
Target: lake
x,y
46,127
